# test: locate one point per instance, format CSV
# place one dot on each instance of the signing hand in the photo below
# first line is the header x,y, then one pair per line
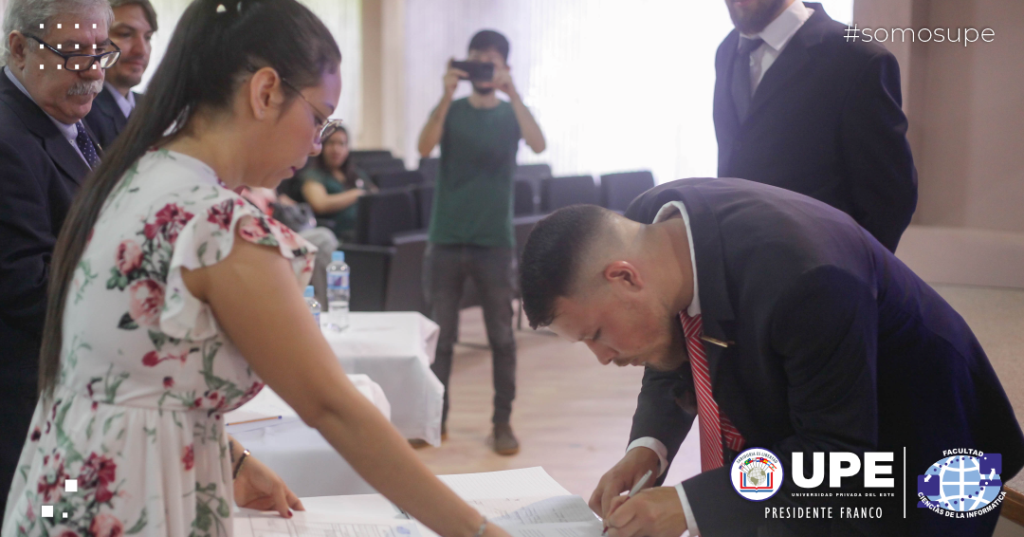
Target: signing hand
x,y
655,512
622,477
258,487
451,79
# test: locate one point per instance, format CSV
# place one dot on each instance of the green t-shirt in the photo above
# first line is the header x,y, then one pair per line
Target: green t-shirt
x,y
473,197
341,222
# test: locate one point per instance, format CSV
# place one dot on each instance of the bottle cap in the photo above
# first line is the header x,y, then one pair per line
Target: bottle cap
x,y
309,292
337,256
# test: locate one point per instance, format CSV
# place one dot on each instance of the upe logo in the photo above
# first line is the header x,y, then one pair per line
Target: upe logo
x,y
966,481
757,474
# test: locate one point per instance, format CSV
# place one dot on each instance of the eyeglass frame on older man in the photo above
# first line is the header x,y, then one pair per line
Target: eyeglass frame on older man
x,y
93,58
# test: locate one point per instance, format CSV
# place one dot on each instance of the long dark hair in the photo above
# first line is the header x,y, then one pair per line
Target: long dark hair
x,y
348,168
214,44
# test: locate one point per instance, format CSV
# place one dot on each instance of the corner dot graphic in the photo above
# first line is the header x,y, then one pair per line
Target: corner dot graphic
x,y
94,26
41,26
76,25
58,26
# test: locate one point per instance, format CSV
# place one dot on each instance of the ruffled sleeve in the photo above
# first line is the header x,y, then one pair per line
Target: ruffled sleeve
x,y
205,240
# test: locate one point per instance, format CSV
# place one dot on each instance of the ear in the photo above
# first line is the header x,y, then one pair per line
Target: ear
x,y
265,92
624,274
16,44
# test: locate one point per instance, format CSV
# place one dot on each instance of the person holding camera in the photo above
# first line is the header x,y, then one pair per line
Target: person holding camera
x,y
471,234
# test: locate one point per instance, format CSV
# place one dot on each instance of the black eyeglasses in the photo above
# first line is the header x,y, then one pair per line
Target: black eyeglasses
x,y
329,126
83,62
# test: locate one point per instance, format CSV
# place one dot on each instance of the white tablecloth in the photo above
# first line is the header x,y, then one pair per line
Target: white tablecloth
x,y
306,462
395,350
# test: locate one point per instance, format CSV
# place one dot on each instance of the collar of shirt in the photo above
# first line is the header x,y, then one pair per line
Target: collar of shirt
x,y
126,104
778,32
69,131
667,211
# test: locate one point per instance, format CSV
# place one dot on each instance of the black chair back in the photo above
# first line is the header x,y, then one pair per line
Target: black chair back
x,y
532,172
429,167
370,266
389,180
374,167
618,190
369,154
558,192
524,201
381,215
424,195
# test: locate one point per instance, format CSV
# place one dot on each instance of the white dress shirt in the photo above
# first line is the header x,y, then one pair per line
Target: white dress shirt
x,y
126,104
69,131
776,36
666,212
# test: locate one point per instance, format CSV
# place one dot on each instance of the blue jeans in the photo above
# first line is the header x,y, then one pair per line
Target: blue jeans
x,y
445,270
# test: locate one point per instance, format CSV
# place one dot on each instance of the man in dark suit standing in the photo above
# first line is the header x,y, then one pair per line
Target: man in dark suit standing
x,y
133,28
800,107
45,153
785,326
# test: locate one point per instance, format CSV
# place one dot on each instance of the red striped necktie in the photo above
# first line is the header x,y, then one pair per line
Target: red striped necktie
x,y
714,425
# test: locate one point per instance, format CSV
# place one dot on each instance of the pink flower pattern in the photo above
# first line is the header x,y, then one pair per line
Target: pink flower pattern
x,y
146,300
129,256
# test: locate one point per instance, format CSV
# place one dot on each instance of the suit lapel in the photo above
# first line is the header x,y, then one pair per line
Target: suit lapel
x,y
792,60
108,106
56,145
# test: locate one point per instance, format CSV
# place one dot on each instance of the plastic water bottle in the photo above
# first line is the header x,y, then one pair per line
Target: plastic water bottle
x,y
314,306
337,292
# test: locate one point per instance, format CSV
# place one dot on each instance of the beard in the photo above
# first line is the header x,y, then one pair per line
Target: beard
x,y
753,20
482,90
85,88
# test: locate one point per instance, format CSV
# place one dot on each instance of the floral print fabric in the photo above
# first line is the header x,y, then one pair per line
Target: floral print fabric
x,y
145,371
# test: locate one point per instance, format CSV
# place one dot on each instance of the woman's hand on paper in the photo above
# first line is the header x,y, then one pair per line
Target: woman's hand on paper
x,y
258,487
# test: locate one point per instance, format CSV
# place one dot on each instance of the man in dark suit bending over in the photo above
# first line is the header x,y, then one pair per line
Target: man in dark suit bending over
x,y
799,107
785,326
132,31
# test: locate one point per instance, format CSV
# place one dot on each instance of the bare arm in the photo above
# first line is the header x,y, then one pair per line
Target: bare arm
x,y
527,124
431,134
256,301
323,203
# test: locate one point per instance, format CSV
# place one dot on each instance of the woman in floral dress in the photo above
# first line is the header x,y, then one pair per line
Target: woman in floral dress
x,y
172,300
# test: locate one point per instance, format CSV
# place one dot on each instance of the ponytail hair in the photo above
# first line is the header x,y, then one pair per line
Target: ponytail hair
x,y
213,47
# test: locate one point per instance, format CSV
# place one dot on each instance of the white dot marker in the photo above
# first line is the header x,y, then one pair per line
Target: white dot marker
x,y
41,26
76,25
47,511
94,66
40,46
94,26
76,45
58,67
58,26
40,67
71,485
76,67
65,515
58,46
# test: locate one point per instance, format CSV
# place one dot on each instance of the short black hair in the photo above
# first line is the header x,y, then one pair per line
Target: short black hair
x,y
489,39
552,256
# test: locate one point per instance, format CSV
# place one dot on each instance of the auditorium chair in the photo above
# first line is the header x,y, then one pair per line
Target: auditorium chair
x,y
381,215
558,192
618,190
402,179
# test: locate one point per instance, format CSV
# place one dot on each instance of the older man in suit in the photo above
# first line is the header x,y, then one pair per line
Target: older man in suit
x,y
800,107
54,69
785,326
133,28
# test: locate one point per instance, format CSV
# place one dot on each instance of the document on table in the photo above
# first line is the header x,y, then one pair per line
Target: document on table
x,y
256,524
526,483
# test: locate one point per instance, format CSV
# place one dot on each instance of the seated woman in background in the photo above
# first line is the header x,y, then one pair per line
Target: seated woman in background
x,y
172,300
331,187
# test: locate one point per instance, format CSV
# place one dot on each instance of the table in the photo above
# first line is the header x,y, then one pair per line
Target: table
x,y
395,350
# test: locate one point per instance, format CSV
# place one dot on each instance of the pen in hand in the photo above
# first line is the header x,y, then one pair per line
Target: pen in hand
x,y
636,488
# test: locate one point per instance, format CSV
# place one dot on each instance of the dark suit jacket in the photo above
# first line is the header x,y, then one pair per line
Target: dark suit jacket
x,y
105,119
825,121
838,347
40,171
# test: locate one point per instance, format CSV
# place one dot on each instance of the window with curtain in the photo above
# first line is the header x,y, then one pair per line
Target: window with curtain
x,y
615,85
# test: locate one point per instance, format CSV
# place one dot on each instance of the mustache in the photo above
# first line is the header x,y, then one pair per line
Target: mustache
x,y
85,88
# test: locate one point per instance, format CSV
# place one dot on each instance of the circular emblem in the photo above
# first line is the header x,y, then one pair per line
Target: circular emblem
x,y
962,483
757,474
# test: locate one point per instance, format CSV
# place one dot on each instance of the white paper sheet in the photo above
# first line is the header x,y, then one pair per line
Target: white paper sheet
x,y
255,524
560,509
574,529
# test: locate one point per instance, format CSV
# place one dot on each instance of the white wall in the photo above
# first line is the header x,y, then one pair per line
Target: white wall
x,y
615,86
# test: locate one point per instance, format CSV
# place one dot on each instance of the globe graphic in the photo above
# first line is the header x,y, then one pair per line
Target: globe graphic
x,y
962,483
757,477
